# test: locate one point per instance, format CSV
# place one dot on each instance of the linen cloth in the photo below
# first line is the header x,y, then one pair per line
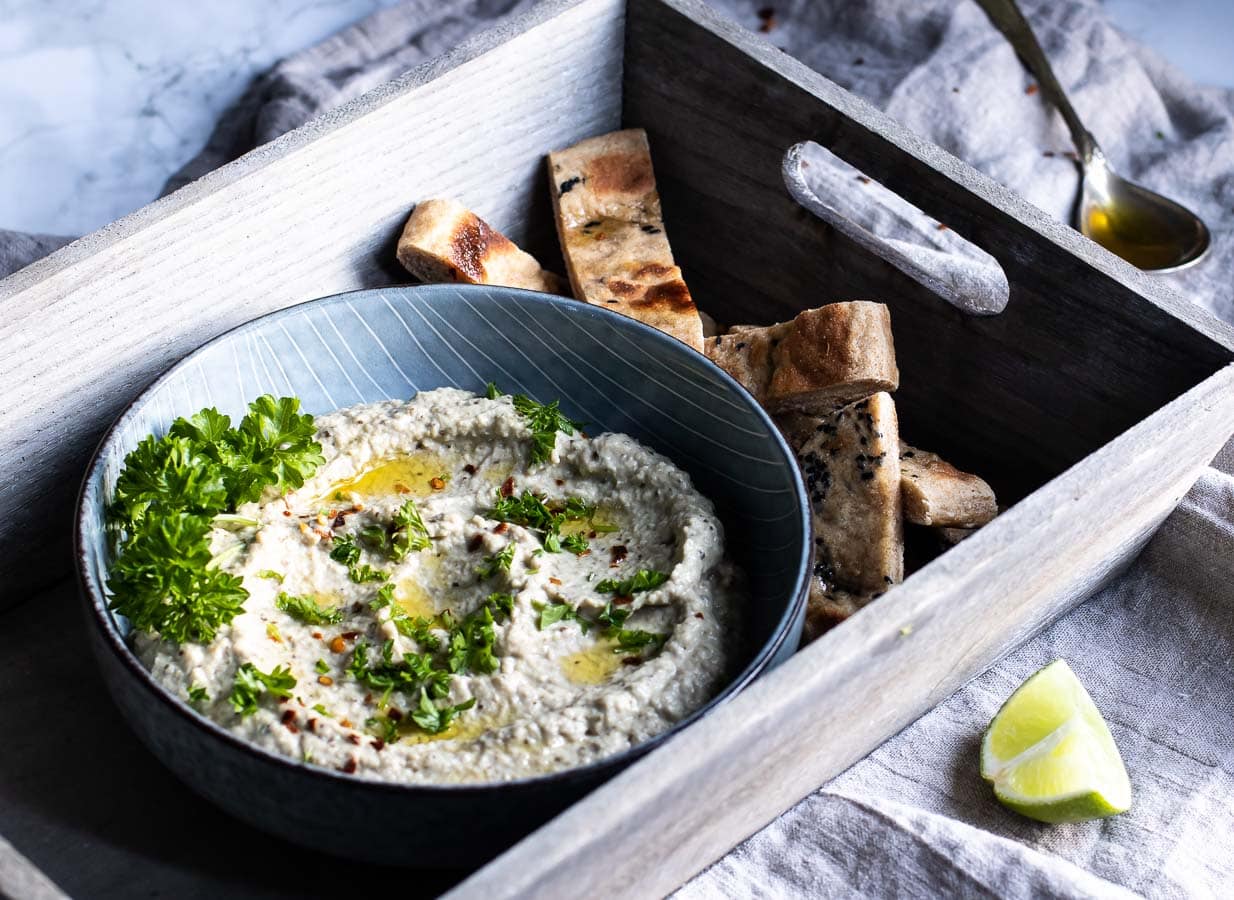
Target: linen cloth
x,y
1155,650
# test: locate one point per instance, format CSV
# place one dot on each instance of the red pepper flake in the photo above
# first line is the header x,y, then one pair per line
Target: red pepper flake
x,y
767,19
354,738
394,714
339,521
378,744
623,599
437,483
502,528
289,715
1031,89
941,227
349,767
351,635
560,482
864,179
401,488
469,469
346,723
698,615
293,729
592,535
474,544
554,581
619,552
630,660
507,487
312,725
317,634
287,512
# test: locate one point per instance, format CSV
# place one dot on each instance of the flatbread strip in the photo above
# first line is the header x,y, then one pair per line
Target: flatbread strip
x,y
827,607
443,241
822,359
934,492
851,464
612,233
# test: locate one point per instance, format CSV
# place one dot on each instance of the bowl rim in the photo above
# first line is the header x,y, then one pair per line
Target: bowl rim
x,y
101,617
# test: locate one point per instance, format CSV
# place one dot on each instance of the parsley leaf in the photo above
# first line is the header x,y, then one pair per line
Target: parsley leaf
x,y
643,580
613,616
576,544
491,565
347,552
251,683
636,639
434,719
271,574
544,420
531,511
322,667
552,613
163,581
197,694
410,535
307,610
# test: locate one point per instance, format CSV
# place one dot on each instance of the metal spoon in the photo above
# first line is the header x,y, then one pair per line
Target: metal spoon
x,y
1144,228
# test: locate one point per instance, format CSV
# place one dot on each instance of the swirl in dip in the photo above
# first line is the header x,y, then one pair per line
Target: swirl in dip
x,y
443,602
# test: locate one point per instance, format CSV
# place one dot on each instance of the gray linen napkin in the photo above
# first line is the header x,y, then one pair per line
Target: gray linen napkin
x,y
913,819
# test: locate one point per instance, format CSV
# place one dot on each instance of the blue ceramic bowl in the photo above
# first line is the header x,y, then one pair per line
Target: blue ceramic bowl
x,y
609,371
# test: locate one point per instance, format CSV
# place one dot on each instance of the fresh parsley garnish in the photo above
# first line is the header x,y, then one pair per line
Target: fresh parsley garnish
x,y
167,498
307,610
322,667
383,727
197,694
271,574
613,616
552,613
251,683
636,639
409,535
491,565
544,420
318,708
643,580
531,511
436,719
347,552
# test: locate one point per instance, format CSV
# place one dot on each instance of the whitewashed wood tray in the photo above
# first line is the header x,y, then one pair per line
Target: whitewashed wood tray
x,y
1091,403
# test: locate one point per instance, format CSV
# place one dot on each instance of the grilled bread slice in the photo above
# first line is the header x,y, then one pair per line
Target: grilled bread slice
x,y
821,360
443,241
934,492
833,355
612,233
851,464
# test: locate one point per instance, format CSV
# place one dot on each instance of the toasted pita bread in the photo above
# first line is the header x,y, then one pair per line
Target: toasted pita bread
x,y
833,355
852,469
443,241
746,355
934,492
612,233
827,607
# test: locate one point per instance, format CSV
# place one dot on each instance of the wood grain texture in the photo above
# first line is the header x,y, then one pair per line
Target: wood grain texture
x,y
1087,346
685,804
313,213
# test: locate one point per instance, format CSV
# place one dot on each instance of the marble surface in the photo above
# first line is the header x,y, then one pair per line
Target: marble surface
x,y
101,100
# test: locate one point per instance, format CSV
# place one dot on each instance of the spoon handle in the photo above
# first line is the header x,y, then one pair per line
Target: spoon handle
x,y
1007,18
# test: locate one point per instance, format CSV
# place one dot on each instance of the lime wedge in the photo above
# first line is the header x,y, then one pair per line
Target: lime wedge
x,y
1050,754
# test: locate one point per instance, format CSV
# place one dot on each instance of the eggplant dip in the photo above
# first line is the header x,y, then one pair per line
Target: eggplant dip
x,y
454,588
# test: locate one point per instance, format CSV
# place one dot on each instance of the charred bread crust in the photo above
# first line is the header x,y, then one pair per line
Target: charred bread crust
x,y
612,233
443,241
851,464
827,607
835,354
934,492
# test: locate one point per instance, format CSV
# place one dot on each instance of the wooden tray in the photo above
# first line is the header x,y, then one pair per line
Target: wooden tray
x,y
1091,403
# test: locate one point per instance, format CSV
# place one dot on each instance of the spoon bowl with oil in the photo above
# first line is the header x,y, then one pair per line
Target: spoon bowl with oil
x,y
1148,230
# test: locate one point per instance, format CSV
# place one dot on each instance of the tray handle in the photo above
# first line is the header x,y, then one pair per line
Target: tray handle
x,y
926,250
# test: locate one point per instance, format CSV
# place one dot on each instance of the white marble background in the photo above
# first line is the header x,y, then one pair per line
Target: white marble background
x,y
101,100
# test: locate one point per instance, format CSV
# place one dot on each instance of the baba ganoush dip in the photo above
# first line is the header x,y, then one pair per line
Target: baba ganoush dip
x,y
462,593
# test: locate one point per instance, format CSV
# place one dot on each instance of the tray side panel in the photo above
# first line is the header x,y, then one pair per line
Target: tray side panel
x,y
1086,348
689,801
289,222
